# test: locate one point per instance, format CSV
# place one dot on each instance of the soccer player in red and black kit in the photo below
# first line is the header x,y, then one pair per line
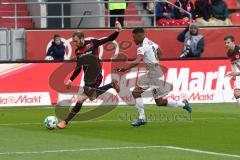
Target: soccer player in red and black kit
x,y
233,52
88,59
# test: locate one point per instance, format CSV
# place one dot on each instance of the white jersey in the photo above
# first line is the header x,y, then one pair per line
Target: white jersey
x,y
149,51
236,68
154,78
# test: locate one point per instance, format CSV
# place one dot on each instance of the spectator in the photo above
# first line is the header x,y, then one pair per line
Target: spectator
x,y
202,12
116,9
220,13
57,50
164,11
193,42
186,5
149,7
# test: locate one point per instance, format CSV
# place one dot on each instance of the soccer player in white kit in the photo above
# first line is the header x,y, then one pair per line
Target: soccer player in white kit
x,y
150,52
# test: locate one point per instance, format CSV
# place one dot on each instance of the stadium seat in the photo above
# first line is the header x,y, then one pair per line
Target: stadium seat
x,y
172,22
20,7
132,12
133,21
232,4
129,21
173,1
20,25
10,13
8,10
27,20
235,17
12,1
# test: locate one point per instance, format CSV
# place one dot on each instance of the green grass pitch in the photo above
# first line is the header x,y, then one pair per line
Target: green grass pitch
x,y
211,133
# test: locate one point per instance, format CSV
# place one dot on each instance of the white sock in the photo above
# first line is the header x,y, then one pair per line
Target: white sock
x,y
175,104
238,100
140,107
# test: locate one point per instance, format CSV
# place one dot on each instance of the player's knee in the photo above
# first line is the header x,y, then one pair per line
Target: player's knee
x,y
82,98
136,94
237,94
161,102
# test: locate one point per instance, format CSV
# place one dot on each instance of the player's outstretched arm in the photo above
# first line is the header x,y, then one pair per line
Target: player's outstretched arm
x,y
131,65
233,74
74,75
112,37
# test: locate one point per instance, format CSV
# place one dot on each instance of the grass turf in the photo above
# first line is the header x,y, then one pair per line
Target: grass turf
x,y
211,127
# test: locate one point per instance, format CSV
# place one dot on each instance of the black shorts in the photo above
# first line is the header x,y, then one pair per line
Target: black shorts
x,y
89,88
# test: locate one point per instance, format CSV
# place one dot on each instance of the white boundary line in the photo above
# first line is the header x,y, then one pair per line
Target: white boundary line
x,y
122,148
18,124
204,152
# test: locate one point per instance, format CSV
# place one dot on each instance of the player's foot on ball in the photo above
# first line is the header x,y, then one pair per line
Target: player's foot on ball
x,y
62,125
139,122
116,85
187,106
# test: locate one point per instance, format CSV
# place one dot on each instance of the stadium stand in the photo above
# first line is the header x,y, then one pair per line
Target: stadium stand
x,y
233,7
133,21
8,10
232,4
235,18
132,9
130,21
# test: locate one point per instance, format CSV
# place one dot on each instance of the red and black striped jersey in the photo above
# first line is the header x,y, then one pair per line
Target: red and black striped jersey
x,y
90,47
235,54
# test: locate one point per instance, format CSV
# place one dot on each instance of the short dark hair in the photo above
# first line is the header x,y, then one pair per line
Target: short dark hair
x,y
231,37
78,34
56,36
138,30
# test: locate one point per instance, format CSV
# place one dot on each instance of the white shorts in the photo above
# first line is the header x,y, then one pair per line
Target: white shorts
x,y
235,68
153,79
237,83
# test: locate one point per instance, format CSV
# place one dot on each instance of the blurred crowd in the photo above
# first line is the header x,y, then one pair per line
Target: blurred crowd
x,y
204,12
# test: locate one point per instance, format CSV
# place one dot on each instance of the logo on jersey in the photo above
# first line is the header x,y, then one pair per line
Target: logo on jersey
x,y
139,51
88,46
150,42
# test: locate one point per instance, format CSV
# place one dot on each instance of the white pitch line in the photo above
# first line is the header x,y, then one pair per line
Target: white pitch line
x,y
18,124
81,149
122,148
204,152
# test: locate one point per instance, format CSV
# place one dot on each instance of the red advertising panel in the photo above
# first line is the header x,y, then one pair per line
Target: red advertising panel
x,y
200,81
37,42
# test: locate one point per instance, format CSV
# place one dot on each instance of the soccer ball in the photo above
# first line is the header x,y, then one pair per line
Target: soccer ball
x,y
49,58
51,122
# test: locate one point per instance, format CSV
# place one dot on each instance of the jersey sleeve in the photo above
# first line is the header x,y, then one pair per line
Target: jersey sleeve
x,y
76,72
156,46
112,37
140,50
